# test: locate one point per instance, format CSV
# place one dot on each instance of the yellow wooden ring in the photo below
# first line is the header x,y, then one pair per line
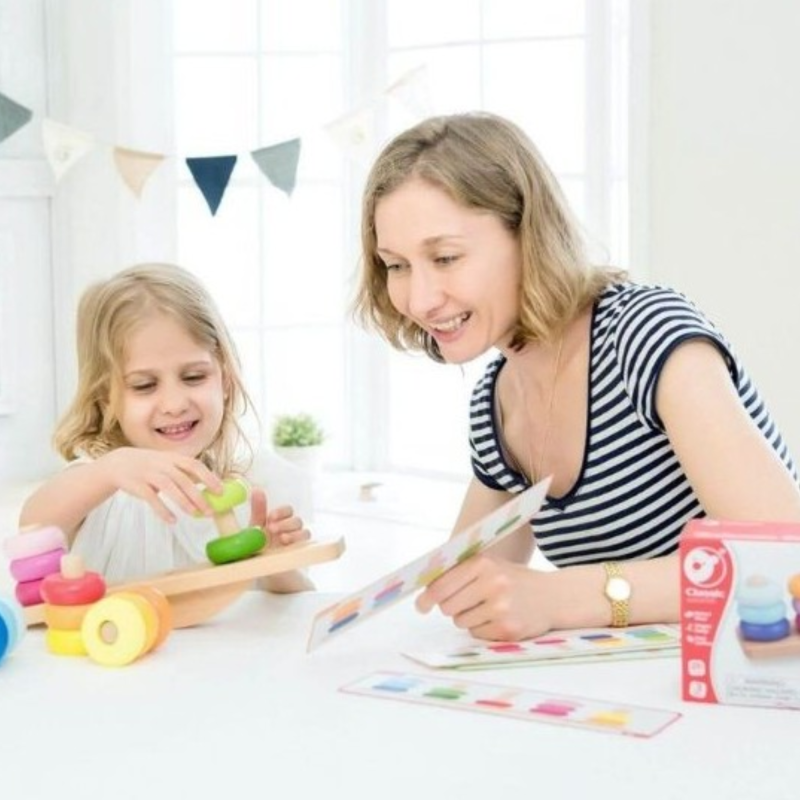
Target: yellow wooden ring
x,y
149,614
65,618
163,610
115,631
64,643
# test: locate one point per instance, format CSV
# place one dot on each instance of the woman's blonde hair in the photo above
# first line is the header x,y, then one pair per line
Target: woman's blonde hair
x,y
108,312
484,162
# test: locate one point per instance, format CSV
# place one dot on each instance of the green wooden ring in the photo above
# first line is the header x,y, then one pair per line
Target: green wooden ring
x,y
236,547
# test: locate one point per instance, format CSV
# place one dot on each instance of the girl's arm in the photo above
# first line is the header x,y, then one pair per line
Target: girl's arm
x,y
67,498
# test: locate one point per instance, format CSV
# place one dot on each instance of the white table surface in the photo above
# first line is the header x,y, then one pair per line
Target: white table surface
x,y
237,706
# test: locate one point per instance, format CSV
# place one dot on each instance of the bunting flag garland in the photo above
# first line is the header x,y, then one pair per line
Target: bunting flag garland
x,y
211,174
355,133
279,163
64,146
135,167
13,116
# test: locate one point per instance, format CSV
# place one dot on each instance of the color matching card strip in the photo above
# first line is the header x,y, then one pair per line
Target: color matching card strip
x,y
575,645
424,570
516,702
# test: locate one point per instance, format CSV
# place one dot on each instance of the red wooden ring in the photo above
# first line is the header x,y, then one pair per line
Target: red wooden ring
x,y
60,591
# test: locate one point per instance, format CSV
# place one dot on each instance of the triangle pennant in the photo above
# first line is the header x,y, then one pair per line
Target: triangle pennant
x,y
279,163
413,91
211,174
135,167
64,146
355,132
13,116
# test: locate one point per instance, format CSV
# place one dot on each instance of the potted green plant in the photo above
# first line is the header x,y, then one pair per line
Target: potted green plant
x,y
298,438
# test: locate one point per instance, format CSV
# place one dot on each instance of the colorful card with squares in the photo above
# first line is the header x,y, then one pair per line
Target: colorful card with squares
x,y
424,570
573,646
515,702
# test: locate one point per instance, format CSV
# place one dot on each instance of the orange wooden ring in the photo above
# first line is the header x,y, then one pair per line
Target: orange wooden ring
x,y
65,618
794,586
158,600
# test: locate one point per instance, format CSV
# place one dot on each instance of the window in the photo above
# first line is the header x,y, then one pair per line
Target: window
x,y
250,74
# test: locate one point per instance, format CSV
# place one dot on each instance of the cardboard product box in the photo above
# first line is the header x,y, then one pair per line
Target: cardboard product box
x,y
740,613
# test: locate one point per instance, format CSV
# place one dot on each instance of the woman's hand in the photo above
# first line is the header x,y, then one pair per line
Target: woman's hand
x,y
281,524
147,474
492,599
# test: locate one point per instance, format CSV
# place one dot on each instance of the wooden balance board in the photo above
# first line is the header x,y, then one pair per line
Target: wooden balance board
x,y
197,593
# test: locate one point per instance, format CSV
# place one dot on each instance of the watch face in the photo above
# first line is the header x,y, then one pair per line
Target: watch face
x,y
618,589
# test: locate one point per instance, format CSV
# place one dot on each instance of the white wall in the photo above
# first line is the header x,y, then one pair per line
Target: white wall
x,y
724,177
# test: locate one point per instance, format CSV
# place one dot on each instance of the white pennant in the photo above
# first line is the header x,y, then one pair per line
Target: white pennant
x,y
413,91
355,132
64,146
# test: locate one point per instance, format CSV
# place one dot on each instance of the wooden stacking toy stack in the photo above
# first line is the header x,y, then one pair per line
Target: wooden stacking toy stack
x,y
12,626
234,542
68,594
761,609
34,554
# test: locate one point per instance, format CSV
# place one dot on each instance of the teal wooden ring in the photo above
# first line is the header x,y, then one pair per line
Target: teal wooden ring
x,y
761,615
236,547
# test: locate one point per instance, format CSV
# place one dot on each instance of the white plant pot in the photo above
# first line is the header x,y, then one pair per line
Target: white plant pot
x,y
309,459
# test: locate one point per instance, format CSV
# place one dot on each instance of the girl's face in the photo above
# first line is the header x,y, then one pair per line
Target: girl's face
x,y
172,394
452,270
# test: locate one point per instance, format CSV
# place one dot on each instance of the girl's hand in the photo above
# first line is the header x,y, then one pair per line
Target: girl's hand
x,y
281,524
147,474
492,599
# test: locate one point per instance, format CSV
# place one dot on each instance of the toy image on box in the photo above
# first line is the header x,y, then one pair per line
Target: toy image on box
x,y
740,613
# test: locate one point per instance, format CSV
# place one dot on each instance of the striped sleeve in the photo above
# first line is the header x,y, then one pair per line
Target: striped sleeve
x,y
650,327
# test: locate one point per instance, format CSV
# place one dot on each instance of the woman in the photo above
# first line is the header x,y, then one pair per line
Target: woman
x,y
626,396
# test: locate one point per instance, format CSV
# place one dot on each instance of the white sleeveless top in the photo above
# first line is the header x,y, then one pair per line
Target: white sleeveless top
x,y
123,539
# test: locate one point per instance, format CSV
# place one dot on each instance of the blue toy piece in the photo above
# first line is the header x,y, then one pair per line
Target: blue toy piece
x,y
765,633
12,625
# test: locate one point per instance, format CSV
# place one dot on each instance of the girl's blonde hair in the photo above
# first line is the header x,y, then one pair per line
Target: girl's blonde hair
x,y
108,312
487,163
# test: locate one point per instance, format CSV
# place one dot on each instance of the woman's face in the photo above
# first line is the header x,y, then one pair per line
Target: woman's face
x,y
172,395
452,270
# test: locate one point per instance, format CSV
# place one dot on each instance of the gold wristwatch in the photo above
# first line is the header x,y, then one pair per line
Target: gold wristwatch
x,y
618,592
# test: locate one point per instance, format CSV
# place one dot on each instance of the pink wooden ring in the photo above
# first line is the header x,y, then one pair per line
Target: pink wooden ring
x,y
34,567
60,591
34,541
29,593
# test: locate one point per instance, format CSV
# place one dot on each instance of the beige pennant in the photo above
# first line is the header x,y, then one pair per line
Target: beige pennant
x,y
135,167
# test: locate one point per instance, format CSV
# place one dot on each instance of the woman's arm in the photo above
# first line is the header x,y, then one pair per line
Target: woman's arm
x,y
734,471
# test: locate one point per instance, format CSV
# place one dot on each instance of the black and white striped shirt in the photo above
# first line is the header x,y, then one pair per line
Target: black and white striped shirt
x,y
631,498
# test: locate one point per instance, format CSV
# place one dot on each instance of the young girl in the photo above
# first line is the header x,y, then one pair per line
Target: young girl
x,y
627,396
155,414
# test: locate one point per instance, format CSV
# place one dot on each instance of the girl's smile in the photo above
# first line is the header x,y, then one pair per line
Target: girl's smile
x,y
172,395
